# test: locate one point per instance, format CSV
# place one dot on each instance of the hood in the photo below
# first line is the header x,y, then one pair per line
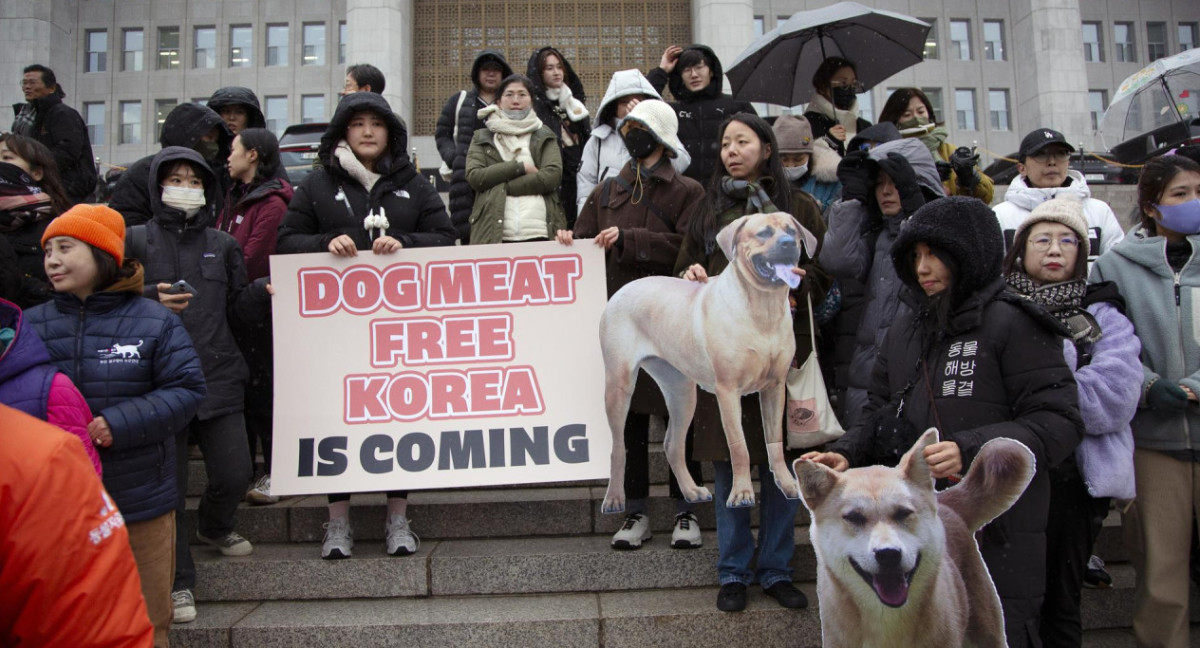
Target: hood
x,y
572,79
357,101
26,350
623,84
919,157
823,162
189,122
232,95
1022,195
169,217
275,186
714,89
880,133
485,56
1148,251
962,227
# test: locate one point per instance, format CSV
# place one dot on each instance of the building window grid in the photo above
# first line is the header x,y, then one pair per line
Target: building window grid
x,y
1097,104
964,108
93,116
998,112
204,52
241,46
1156,41
277,45
931,39
168,48
1123,43
312,109
314,44
131,123
133,46
993,40
960,40
275,112
935,99
866,106
1093,42
97,50
342,43
1189,36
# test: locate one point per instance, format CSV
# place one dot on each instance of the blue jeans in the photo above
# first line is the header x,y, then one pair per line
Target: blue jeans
x,y
776,531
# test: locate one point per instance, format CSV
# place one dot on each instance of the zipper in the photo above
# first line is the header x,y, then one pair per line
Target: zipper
x,y
79,334
1187,435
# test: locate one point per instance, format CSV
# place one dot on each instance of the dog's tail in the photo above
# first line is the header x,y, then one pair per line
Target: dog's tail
x,y
998,476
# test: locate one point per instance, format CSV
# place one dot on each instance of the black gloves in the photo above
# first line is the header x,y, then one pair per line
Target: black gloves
x,y
905,179
857,172
1166,396
964,162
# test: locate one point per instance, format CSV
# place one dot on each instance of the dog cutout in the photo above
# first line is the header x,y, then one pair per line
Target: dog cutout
x,y
897,563
731,335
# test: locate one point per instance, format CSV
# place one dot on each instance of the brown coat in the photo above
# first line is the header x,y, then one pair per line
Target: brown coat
x,y
709,442
652,229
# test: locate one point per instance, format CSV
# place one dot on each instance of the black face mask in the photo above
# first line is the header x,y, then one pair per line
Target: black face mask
x,y
844,97
640,143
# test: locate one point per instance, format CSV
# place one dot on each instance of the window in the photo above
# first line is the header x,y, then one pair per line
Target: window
x,y
993,40
341,43
241,43
998,110
866,106
97,51
168,50
1093,43
931,40
314,44
131,122
1156,41
275,112
935,98
1097,104
1189,36
964,109
93,116
204,56
162,108
277,45
312,109
133,45
1123,44
960,40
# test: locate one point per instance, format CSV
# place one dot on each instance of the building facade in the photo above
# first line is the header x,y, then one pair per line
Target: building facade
x,y
993,69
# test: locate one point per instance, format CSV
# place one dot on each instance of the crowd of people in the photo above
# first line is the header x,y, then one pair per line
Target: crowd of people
x,y
142,327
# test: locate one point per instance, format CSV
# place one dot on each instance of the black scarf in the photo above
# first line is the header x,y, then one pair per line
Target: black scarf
x,y
1062,300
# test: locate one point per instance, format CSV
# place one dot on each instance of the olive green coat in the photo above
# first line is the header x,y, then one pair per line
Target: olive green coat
x,y
494,180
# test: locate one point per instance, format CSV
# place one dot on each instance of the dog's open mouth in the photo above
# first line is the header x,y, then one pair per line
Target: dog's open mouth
x,y
775,271
890,586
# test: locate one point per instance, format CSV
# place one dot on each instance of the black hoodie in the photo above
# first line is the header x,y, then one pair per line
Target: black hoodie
x,y
555,119
700,113
239,96
330,202
185,126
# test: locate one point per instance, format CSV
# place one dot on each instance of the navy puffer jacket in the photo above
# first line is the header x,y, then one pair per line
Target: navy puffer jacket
x,y
134,363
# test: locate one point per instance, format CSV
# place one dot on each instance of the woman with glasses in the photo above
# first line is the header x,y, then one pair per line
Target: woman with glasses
x,y
833,111
1047,263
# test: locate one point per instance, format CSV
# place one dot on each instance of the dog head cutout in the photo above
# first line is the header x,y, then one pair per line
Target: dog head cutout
x,y
769,246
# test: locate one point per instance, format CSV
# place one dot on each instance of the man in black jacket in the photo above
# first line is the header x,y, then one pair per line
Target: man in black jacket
x,y
46,118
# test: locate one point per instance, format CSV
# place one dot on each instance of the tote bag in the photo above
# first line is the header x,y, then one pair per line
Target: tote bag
x,y
810,418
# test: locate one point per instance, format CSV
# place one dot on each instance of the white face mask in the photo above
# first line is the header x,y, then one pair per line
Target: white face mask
x,y
187,200
795,173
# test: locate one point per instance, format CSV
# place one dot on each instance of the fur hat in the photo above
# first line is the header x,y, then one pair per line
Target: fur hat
x,y
1066,209
793,134
963,228
659,118
96,225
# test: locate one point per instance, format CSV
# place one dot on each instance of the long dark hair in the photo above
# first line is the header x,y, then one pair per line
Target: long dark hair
x,y
39,158
107,270
265,143
1015,258
898,102
1156,175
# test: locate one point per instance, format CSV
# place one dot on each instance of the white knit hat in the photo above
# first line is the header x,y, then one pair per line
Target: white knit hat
x,y
1065,209
659,118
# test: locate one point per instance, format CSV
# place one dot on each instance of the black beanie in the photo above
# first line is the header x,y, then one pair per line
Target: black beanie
x,y
963,228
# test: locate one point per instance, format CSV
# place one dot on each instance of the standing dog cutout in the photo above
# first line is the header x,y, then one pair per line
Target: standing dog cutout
x,y
897,563
731,335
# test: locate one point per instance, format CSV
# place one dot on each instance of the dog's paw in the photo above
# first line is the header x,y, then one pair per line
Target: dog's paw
x,y
697,495
740,498
788,486
612,505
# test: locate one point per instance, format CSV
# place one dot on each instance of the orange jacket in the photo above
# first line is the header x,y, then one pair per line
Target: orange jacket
x,y
67,575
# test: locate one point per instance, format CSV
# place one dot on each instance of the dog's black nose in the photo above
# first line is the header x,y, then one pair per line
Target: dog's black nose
x,y
888,558
786,240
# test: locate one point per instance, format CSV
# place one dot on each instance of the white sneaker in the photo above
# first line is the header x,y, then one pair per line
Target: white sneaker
x,y
401,541
687,532
260,492
633,533
230,544
185,606
339,539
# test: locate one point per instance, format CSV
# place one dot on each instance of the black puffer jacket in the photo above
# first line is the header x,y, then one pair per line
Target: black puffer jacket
x,y
329,202
454,151
185,126
700,114
211,261
63,131
239,96
555,118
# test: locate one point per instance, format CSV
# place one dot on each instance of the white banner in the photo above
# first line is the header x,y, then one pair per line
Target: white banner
x,y
438,368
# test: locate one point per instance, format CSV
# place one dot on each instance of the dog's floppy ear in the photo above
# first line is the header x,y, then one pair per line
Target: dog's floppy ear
x,y
806,239
727,237
913,464
816,481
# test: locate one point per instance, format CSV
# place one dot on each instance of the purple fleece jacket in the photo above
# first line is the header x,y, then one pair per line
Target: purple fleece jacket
x,y
1109,389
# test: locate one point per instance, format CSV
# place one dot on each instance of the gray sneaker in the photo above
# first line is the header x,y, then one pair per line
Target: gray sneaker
x,y
401,541
230,544
185,606
260,492
339,539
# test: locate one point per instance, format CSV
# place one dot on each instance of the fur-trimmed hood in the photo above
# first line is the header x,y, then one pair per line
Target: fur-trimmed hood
x,y
823,162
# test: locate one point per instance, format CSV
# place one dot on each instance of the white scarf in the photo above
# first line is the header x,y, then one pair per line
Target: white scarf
x,y
350,164
847,118
511,136
566,100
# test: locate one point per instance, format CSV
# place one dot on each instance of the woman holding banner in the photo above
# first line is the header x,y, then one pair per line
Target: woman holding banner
x,y
366,196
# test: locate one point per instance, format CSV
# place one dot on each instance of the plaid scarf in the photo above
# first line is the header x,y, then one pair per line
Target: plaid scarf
x,y
22,201
1062,300
24,123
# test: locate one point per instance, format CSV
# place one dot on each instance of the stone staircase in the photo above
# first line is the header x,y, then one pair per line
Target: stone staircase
x,y
515,567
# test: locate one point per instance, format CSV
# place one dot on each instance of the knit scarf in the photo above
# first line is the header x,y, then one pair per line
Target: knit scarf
x,y
23,124
22,201
1062,300
351,165
929,133
511,136
847,118
755,196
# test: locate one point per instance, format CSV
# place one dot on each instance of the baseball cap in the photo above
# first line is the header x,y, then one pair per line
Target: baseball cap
x,y
1040,139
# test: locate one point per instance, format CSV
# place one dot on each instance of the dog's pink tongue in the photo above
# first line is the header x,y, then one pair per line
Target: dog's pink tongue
x,y
891,588
785,274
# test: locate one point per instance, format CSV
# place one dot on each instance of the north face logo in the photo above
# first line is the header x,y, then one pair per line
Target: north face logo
x,y
121,351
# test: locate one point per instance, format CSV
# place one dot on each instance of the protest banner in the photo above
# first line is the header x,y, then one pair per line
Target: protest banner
x,y
438,368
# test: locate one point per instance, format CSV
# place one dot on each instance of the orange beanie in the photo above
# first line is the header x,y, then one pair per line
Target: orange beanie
x,y
96,225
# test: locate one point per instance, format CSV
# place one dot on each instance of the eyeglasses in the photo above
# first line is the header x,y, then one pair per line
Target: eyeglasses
x,y
1042,243
1058,155
854,85
697,68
